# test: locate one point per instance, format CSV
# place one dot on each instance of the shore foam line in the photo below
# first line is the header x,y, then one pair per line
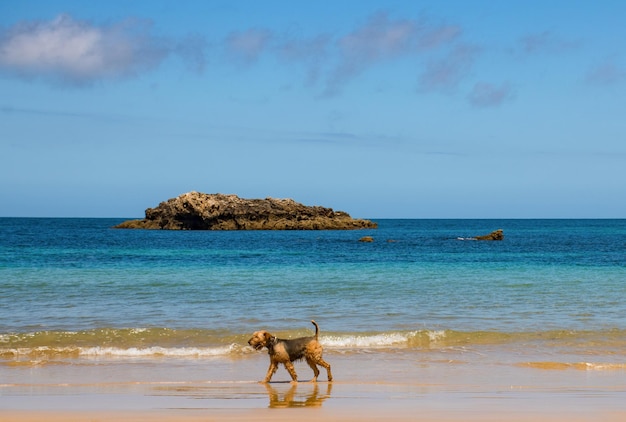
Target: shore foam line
x,y
581,366
155,351
394,339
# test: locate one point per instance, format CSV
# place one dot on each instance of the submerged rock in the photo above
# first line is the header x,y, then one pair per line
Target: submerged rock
x,y
202,211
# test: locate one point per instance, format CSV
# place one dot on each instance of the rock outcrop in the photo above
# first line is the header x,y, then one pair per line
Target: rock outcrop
x,y
201,211
495,235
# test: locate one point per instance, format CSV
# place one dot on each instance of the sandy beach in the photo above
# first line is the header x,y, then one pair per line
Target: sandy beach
x,y
366,389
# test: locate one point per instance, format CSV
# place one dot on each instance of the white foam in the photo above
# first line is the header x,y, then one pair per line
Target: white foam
x,y
436,335
155,351
366,341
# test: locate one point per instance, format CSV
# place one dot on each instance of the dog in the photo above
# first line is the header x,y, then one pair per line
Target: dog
x,y
289,351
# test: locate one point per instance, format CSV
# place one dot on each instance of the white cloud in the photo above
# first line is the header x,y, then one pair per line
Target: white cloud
x,y
79,53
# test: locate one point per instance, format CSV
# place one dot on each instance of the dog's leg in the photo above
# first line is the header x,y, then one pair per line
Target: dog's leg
x,y
271,370
292,371
322,362
313,366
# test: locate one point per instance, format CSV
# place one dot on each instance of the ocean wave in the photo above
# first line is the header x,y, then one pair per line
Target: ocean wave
x,y
199,343
407,339
365,341
131,343
112,352
162,351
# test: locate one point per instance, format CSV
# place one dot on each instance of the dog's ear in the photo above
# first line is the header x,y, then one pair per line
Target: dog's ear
x,y
269,338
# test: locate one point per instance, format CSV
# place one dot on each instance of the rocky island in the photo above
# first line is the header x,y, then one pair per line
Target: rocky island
x,y
202,211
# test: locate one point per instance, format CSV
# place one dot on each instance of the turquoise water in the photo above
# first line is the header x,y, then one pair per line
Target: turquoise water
x,y
79,287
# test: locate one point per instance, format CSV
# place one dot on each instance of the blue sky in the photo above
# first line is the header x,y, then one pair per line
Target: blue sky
x,y
382,109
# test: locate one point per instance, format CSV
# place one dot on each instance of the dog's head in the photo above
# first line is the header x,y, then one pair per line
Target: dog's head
x,y
261,339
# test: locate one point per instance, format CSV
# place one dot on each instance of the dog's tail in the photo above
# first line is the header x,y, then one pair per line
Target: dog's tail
x,y
317,329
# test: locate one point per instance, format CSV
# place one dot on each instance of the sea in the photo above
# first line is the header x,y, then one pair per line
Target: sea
x,y
551,294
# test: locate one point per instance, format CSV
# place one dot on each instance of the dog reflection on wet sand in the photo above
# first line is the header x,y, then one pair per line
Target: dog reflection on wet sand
x,y
289,351
289,399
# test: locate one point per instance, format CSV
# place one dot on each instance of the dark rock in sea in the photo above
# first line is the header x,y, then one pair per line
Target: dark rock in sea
x,y
495,235
201,211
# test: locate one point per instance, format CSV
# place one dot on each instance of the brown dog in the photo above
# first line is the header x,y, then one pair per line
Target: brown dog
x,y
289,351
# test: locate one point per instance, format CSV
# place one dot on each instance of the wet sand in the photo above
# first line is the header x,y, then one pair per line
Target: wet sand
x,y
366,389
347,402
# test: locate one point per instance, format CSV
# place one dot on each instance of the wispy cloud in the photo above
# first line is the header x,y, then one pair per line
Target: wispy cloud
x,y
381,39
311,52
546,42
485,94
7,109
193,52
247,46
331,62
75,52
79,53
444,74
606,73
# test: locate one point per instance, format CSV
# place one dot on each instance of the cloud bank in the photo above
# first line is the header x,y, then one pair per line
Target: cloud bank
x,y
77,52
80,53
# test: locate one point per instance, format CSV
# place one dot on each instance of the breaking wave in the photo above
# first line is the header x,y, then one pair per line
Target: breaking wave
x,y
113,343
